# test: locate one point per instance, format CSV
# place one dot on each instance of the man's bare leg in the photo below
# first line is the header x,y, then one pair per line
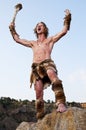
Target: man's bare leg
x,y
39,99
58,90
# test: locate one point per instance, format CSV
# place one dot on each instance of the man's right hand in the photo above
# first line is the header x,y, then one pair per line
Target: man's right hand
x,y
67,11
67,18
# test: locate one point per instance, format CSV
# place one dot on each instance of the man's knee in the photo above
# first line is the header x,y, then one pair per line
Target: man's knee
x,y
49,71
51,74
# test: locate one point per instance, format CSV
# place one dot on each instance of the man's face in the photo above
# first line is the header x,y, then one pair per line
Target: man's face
x,y
40,28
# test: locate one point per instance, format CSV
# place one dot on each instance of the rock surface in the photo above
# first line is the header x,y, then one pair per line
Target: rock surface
x,y
73,119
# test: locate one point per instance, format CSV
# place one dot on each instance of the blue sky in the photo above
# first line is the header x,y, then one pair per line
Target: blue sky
x,y
68,53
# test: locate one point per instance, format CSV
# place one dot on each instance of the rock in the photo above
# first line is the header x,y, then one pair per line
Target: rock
x,y
24,126
73,119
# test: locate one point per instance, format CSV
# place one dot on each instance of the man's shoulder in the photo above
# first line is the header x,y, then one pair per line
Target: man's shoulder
x,y
49,39
33,41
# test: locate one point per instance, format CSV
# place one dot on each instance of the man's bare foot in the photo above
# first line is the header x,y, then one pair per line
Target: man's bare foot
x,y
61,108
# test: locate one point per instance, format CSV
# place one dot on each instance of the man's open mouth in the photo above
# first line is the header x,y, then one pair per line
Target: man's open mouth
x,y
39,29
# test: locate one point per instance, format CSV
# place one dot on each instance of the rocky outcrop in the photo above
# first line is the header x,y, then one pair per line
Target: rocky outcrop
x,y
73,119
13,112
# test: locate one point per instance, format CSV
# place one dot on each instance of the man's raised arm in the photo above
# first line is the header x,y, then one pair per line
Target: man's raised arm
x,y
66,27
16,36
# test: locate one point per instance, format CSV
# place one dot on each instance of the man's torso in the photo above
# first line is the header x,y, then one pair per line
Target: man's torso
x,y
42,50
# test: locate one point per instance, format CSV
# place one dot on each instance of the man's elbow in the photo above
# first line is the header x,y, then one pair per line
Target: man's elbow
x,y
17,39
64,32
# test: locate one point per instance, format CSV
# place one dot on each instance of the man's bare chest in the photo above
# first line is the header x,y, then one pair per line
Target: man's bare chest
x,y
41,45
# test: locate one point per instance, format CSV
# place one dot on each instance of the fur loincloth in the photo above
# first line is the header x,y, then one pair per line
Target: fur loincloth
x,y
39,72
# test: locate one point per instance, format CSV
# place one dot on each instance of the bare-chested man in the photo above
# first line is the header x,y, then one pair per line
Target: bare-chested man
x,y
44,71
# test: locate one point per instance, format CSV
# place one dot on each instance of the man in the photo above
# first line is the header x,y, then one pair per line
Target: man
x,y
44,70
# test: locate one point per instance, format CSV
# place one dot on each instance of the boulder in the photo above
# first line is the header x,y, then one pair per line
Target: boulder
x,y
73,119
